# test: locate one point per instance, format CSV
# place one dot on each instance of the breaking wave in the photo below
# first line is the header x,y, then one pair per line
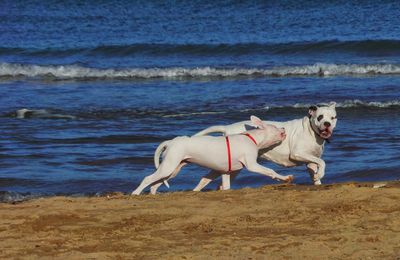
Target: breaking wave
x,y
76,72
356,104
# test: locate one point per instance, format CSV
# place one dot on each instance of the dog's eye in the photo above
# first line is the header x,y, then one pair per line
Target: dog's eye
x,y
334,117
319,118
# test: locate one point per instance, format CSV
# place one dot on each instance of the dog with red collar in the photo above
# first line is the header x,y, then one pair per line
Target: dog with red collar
x,y
221,154
304,143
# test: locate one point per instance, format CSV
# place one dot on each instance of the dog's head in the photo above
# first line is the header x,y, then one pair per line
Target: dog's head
x,y
323,119
271,134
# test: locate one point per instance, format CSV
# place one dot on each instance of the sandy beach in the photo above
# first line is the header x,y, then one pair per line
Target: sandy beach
x,y
341,221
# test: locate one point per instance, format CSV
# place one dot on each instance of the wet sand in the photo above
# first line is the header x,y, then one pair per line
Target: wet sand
x,y
341,221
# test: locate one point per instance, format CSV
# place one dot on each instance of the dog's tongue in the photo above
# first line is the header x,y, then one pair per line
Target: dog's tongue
x,y
326,133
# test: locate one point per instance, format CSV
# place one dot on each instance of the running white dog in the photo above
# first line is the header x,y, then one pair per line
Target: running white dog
x,y
304,143
221,154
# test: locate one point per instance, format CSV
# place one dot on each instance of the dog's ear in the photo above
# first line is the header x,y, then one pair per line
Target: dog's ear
x,y
311,110
257,122
332,104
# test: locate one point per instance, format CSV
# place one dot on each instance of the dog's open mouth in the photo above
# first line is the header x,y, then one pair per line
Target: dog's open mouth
x,y
325,133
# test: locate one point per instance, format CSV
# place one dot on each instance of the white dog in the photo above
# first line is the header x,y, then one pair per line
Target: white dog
x,y
304,143
221,154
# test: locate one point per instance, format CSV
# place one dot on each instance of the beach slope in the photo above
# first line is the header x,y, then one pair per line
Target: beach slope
x,y
356,221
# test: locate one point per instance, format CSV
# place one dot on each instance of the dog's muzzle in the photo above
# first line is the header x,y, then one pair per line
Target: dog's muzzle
x,y
325,133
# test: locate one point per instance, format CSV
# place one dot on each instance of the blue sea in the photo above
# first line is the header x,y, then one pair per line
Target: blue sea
x,y
104,82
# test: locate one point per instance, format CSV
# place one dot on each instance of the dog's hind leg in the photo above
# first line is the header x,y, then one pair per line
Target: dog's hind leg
x,y
177,170
167,168
155,186
152,178
206,180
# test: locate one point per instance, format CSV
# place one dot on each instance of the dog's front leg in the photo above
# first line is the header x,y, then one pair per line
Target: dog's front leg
x,y
253,166
227,179
312,161
312,170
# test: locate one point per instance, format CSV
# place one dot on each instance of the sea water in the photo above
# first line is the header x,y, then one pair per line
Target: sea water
x,y
106,81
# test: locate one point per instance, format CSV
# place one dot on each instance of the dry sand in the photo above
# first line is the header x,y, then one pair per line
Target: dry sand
x,y
342,221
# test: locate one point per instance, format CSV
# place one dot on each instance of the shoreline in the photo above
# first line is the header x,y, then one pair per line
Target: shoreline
x,y
345,220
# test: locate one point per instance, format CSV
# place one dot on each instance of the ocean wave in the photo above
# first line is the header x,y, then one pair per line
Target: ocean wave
x,y
356,105
40,113
14,197
372,47
76,72
347,104
108,139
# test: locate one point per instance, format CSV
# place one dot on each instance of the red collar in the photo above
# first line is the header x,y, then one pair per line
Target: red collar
x,y
249,136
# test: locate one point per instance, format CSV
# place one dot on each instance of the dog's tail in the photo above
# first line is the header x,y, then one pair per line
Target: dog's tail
x,y
160,149
212,129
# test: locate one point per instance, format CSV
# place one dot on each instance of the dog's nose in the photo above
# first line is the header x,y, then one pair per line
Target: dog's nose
x,y
327,124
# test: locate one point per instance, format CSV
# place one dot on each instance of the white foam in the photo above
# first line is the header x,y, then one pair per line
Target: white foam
x,y
66,72
40,113
356,103
359,103
321,69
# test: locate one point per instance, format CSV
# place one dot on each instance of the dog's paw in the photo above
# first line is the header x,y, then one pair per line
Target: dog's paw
x,y
317,182
289,179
